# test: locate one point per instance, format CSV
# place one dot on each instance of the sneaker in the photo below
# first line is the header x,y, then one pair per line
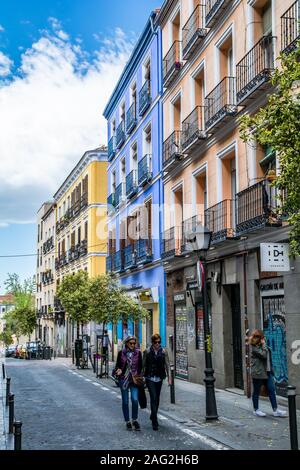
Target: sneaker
x,y
259,413
129,426
136,425
280,414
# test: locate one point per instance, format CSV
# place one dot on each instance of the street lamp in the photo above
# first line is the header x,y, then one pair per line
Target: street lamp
x,y
198,241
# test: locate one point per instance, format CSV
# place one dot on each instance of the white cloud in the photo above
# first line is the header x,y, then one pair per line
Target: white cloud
x,y
5,65
50,115
1,29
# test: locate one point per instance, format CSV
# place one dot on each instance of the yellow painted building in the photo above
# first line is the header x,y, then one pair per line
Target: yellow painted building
x,y
81,239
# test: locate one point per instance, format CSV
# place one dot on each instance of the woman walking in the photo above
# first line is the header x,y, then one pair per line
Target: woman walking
x,y
128,369
262,373
156,367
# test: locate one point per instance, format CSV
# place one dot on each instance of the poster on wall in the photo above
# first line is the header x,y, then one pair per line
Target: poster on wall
x,y
181,342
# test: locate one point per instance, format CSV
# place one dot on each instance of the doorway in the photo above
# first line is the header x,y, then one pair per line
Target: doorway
x,y
236,336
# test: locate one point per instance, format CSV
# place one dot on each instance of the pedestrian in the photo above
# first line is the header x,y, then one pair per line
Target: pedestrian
x,y
262,373
128,370
156,367
106,345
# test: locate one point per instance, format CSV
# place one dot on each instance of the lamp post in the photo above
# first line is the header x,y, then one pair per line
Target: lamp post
x,y
198,241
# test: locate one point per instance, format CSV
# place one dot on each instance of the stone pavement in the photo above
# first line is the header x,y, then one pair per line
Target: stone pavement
x,y
6,440
236,428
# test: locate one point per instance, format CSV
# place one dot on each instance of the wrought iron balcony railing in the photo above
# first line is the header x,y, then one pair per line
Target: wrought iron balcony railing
x,y
119,262
48,245
120,135
131,184
47,277
111,202
255,69
257,207
144,97
145,170
172,63
290,29
193,32
120,195
130,256
144,251
172,149
214,9
111,148
220,220
220,103
83,248
171,242
188,225
131,120
110,263
193,129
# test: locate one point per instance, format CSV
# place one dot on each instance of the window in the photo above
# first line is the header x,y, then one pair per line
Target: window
x,y
122,112
226,57
73,239
176,108
113,127
199,88
147,71
147,145
79,235
38,233
133,157
122,170
133,93
38,257
85,230
113,182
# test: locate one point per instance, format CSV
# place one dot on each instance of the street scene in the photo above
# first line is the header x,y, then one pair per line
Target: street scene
x,y
150,226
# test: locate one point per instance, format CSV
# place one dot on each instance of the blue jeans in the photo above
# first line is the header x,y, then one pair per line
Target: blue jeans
x,y
269,383
134,391
154,392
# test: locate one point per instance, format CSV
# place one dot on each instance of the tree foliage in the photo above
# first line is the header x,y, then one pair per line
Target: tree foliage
x,y
74,295
109,303
22,319
278,125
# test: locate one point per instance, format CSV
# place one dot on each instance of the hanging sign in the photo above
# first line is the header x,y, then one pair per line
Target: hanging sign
x,y
274,257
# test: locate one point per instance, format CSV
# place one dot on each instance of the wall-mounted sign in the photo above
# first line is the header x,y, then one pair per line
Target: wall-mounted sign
x,y
180,298
192,285
274,257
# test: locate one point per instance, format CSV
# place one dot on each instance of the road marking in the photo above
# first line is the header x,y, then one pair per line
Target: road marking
x,y
114,393
105,388
162,417
206,440
98,385
87,380
118,396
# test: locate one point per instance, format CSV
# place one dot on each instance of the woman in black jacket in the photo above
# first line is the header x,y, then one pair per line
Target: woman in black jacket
x,y
156,367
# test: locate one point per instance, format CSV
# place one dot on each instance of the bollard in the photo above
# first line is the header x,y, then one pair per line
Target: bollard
x,y
7,389
18,435
291,392
11,412
3,371
172,386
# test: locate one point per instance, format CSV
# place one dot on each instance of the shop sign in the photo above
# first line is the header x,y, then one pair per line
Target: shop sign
x,y
180,298
192,285
274,257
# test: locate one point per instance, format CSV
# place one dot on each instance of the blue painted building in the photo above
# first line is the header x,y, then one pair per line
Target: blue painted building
x,y
135,199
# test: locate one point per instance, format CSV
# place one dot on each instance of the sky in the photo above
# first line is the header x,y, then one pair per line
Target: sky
x,y
59,62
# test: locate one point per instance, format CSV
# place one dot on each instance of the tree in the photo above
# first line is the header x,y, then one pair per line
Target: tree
x,y
73,293
6,336
22,319
277,125
109,303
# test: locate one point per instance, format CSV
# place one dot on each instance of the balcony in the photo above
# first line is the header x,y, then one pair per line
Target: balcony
x,y
257,208
83,248
193,130
290,30
171,243
188,225
193,32
213,12
130,256
172,152
48,245
172,64
83,201
120,196
47,277
145,97
119,263
131,184
144,251
255,69
220,104
110,263
131,120
120,136
111,148
144,170
220,220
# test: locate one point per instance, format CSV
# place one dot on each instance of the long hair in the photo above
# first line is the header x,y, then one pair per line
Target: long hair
x,y
256,337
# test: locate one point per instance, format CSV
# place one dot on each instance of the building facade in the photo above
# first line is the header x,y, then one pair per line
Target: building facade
x,y
45,274
81,241
135,193
217,62
6,305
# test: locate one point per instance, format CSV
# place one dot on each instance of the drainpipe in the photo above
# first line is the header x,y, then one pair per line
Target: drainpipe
x,y
246,323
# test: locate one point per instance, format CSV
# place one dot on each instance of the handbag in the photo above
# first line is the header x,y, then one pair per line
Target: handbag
x,y
142,398
138,380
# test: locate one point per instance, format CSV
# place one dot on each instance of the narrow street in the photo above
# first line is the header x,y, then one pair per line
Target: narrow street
x,y
63,410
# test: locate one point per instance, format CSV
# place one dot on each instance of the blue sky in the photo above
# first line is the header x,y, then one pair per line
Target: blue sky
x,y
59,61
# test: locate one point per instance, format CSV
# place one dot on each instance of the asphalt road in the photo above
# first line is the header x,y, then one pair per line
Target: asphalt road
x,y
62,409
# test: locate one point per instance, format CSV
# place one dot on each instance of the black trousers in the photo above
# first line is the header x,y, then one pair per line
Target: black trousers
x,y
154,392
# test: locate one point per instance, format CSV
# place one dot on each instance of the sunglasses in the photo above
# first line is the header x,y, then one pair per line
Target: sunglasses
x,y
132,342
157,342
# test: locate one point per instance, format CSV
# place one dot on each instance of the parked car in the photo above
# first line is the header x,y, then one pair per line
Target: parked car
x,y
11,351
32,349
21,351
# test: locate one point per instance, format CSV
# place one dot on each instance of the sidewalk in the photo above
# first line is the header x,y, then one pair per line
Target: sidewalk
x,y
236,428
3,417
